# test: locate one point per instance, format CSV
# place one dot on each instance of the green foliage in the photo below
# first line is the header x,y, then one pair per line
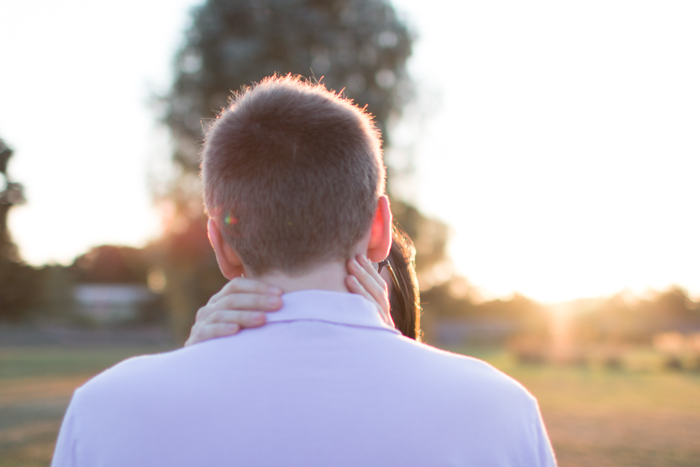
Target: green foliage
x,y
20,287
17,280
359,46
28,293
523,317
109,264
621,319
11,194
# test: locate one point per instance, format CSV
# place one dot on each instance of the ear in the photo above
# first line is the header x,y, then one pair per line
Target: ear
x,y
380,236
229,262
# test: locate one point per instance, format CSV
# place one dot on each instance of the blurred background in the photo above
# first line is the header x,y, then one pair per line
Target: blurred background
x,y
543,156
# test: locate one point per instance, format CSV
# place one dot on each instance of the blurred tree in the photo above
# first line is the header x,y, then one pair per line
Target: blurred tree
x,y
11,194
357,46
55,301
111,264
624,319
527,317
107,264
18,281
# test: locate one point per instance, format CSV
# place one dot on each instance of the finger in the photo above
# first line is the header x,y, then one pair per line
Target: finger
x,y
245,285
377,287
212,331
248,302
204,313
371,270
244,319
355,287
370,286
370,279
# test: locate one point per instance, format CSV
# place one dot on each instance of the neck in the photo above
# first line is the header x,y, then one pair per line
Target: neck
x,y
325,276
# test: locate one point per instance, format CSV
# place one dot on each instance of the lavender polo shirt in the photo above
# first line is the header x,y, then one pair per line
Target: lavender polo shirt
x,y
324,383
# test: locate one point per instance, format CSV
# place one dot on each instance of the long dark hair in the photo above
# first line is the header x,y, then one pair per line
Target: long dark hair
x,y
405,302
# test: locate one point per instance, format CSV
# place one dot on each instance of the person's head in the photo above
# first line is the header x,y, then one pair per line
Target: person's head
x,y
404,301
293,176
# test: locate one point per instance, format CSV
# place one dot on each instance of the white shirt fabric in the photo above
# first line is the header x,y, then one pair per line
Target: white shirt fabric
x,y
324,383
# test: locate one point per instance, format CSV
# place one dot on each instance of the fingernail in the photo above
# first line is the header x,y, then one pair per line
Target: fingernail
x,y
273,301
276,290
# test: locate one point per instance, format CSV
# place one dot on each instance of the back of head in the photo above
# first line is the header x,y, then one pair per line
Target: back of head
x,y
292,174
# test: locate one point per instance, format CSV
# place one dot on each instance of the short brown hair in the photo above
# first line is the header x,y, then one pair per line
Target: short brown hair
x,y
292,173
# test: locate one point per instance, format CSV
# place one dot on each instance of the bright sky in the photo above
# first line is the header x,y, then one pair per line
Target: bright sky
x,y
559,140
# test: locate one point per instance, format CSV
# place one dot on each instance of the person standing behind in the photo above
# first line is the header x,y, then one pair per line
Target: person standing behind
x,y
294,188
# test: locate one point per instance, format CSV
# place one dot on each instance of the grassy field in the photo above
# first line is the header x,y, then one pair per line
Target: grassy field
x,y
595,417
602,417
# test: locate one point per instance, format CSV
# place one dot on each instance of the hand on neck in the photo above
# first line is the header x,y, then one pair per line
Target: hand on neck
x,y
324,276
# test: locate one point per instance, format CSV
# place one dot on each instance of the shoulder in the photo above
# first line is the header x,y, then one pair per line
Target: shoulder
x,y
137,374
468,375
482,403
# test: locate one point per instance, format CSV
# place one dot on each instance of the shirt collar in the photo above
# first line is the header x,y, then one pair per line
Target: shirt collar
x,y
331,307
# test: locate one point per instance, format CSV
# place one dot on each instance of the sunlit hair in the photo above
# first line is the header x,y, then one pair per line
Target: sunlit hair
x,y
292,173
405,302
